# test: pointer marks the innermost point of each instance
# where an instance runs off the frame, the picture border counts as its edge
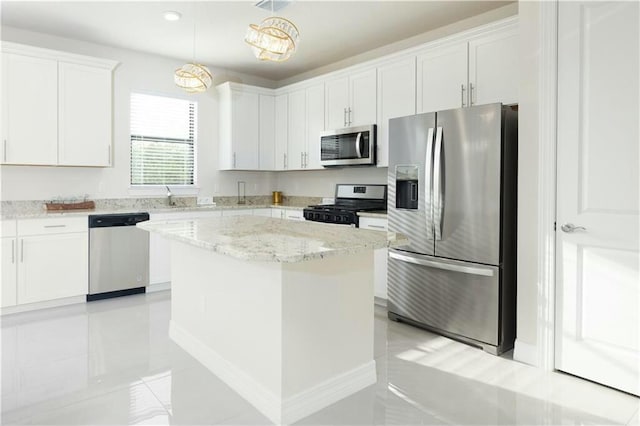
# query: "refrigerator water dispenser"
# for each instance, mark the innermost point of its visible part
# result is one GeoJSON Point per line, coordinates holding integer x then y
{"type": "Point", "coordinates": [407, 187]}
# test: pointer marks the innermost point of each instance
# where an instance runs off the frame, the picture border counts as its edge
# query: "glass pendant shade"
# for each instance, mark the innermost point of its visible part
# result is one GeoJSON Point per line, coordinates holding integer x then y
{"type": "Point", "coordinates": [275, 39]}
{"type": "Point", "coordinates": [193, 78]}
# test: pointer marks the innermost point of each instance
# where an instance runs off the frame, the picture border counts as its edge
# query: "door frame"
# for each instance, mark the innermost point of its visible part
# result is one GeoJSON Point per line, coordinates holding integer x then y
{"type": "Point", "coordinates": [542, 353]}
{"type": "Point", "coordinates": [547, 168]}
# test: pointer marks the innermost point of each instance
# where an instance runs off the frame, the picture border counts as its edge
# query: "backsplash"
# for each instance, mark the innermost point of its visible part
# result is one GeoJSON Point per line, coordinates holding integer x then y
{"type": "Point", "coordinates": [28, 207]}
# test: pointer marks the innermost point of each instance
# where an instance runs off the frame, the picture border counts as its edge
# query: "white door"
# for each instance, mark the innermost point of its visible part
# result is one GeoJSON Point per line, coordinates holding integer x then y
{"type": "Point", "coordinates": [442, 78]}
{"type": "Point", "coordinates": [84, 115]}
{"type": "Point", "coordinates": [598, 281]}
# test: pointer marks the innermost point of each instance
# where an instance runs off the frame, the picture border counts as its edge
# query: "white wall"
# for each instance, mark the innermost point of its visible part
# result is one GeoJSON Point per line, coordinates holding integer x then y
{"type": "Point", "coordinates": [136, 72]}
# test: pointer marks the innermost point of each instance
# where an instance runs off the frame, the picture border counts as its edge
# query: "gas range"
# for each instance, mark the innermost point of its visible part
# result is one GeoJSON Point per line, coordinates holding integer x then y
{"type": "Point", "coordinates": [349, 200]}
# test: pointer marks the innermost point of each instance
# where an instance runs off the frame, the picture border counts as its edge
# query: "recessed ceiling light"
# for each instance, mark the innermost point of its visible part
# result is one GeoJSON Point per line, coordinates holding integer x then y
{"type": "Point", "coordinates": [172, 15]}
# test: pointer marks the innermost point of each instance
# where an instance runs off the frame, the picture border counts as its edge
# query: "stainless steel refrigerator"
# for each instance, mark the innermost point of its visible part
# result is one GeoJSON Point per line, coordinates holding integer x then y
{"type": "Point", "coordinates": [453, 191]}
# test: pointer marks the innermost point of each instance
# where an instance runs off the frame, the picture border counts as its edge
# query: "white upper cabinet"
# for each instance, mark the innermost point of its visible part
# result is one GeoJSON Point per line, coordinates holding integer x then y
{"type": "Point", "coordinates": [351, 100]}
{"type": "Point", "coordinates": [315, 125]}
{"type": "Point", "coordinates": [493, 68]}
{"type": "Point", "coordinates": [30, 110]}
{"type": "Point", "coordinates": [442, 78]}
{"type": "Point", "coordinates": [396, 98]}
{"type": "Point", "coordinates": [281, 131]}
{"type": "Point", "coordinates": [482, 69]}
{"type": "Point", "coordinates": [267, 134]}
{"type": "Point", "coordinates": [56, 107]}
{"type": "Point", "coordinates": [239, 127]}
{"type": "Point", "coordinates": [84, 115]}
{"type": "Point", "coordinates": [297, 135]}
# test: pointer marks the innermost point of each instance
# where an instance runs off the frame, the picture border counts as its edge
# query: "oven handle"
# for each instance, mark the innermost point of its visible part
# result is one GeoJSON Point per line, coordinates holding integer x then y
{"type": "Point", "coordinates": [358, 151]}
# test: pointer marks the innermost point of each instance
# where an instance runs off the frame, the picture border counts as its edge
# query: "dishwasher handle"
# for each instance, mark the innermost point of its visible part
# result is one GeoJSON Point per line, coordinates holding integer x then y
{"type": "Point", "coordinates": [118, 219]}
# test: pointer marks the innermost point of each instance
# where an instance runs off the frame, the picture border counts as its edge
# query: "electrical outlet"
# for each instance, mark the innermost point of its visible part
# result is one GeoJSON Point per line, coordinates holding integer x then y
{"type": "Point", "coordinates": [204, 201]}
{"type": "Point", "coordinates": [328, 200]}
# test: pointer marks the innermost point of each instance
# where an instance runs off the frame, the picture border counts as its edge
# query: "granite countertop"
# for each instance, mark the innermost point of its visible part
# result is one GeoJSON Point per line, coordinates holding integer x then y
{"type": "Point", "coordinates": [273, 240]}
{"type": "Point", "coordinates": [42, 213]}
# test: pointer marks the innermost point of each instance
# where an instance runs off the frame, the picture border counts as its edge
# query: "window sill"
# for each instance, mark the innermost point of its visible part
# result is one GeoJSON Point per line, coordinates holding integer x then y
{"type": "Point", "coordinates": [161, 190]}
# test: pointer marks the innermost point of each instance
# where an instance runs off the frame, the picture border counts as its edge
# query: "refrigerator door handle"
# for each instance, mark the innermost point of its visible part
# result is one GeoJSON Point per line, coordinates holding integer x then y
{"type": "Point", "coordinates": [438, 196]}
{"type": "Point", "coordinates": [428, 199]}
{"type": "Point", "coordinates": [358, 150]}
{"type": "Point", "coordinates": [473, 270]}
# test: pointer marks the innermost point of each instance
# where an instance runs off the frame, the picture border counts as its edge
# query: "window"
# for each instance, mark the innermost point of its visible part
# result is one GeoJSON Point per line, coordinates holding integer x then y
{"type": "Point", "coordinates": [163, 142]}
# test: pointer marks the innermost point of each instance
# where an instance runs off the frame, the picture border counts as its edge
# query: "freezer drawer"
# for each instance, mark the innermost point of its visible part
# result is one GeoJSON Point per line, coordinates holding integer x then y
{"type": "Point", "coordinates": [456, 297]}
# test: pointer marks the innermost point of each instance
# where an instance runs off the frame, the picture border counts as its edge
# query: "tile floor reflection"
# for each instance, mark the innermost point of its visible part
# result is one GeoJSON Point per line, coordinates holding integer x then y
{"type": "Point", "coordinates": [112, 362]}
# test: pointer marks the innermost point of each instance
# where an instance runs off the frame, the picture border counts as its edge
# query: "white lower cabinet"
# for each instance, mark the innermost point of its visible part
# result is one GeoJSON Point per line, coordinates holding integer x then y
{"type": "Point", "coordinates": [379, 256]}
{"type": "Point", "coordinates": [9, 272]}
{"type": "Point", "coordinates": [52, 266]}
{"type": "Point", "coordinates": [47, 259]}
{"type": "Point", "coordinates": [290, 214]}
{"type": "Point", "coordinates": [238, 212]}
{"type": "Point", "coordinates": [262, 212]}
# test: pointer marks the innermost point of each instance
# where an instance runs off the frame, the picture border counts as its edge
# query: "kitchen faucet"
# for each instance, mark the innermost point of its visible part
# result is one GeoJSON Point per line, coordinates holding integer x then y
{"type": "Point", "coordinates": [170, 197]}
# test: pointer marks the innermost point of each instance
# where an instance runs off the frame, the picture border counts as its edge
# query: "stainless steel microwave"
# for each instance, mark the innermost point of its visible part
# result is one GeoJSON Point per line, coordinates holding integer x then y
{"type": "Point", "coordinates": [353, 146]}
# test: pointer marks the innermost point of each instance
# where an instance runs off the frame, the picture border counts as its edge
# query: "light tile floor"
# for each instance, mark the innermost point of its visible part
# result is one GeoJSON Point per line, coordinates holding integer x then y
{"type": "Point", "coordinates": [112, 362]}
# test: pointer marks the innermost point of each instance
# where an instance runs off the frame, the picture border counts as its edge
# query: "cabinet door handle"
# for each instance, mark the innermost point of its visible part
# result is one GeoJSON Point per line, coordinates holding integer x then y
{"type": "Point", "coordinates": [471, 94]}
{"type": "Point", "coordinates": [109, 154]}
{"type": "Point", "coordinates": [55, 226]}
{"type": "Point", "coordinates": [234, 160]}
{"type": "Point", "coordinates": [350, 117]}
{"type": "Point", "coordinates": [345, 117]}
{"type": "Point", "coordinates": [462, 96]}
{"type": "Point", "coordinates": [21, 251]}
{"type": "Point", "coordinates": [284, 163]}
{"type": "Point", "coordinates": [306, 160]}
{"type": "Point", "coordinates": [4, 148]}
{"type": "Point", "coordinates": [302, 160]}
{"type": "Point", "coordinates": [13, 251]}
{"type": "Point", "coordinates": [376, 226]}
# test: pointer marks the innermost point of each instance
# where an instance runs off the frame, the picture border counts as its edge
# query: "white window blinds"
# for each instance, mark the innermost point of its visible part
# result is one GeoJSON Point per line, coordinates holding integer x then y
{"type": "Point", "coordinates": [162, 140]}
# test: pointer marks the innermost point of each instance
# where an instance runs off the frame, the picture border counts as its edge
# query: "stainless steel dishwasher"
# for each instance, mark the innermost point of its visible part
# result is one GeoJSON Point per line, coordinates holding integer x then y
{"type": "Point", "coordinates": [118, 255]}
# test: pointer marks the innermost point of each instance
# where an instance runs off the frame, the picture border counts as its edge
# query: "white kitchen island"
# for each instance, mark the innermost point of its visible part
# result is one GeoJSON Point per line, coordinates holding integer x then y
{"type": "Point", "coordinates": [281, 311]}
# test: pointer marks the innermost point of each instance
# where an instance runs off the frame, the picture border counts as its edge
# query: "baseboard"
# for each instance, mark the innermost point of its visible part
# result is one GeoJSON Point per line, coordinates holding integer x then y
{"type": "Point", "coordinates": [272, 406]}
{"type": "Point", "coordinates": [261, 398]}
{"type": "Point", "coordinates": [380, 301]}
{"type": "Point", "coordinates": [525, 353]}
{"type": "Point", "coordinates": [326, 393]}
{"type": "Point", "coordinates": [42, 305]}
{"type": "Point", "coordinates": [159, 287]}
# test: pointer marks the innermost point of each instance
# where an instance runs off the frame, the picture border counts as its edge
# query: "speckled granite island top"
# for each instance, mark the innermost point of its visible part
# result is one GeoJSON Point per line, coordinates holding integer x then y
{"type": "Point", "coordinates": [273, 240]}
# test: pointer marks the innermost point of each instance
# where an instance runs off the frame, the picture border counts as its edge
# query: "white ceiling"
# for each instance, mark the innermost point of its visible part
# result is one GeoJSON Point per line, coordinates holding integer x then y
{"type": "Point", "coordinates": [330, 31]}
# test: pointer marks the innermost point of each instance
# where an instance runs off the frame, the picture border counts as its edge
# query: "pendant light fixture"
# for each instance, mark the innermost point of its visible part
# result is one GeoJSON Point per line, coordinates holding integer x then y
{"type": "Point", "coordinates": [193, 77]}
{"type": "Point", "coordinates": [275, 39]}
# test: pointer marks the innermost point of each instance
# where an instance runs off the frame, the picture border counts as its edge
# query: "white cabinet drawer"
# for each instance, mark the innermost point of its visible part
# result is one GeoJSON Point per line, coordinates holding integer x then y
{"type": "Point", "coordinates": [47, 226]}
{"type": "Point", "coordinates": [8, 228]}
{"type": "Point", "coordinates": [293, 214]}
{"type": "Point", "coordinates": [373, 223]}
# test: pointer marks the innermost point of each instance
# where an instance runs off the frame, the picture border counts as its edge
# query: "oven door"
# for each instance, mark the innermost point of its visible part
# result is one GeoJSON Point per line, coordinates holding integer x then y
{"type": "Point", "coordinates": [351, 146]}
